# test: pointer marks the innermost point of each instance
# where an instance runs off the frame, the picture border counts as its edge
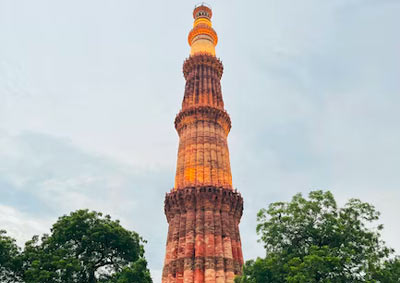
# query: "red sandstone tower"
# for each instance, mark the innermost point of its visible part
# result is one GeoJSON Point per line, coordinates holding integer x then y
{"type": "Point", "coordinates": [203, 211]}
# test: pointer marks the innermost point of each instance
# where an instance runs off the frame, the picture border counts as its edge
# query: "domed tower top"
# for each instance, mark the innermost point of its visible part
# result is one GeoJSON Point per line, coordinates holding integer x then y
{"type": "Point", "coordinates": [202, 38]}
{"type": "Point", "coordinates": [202, 11]}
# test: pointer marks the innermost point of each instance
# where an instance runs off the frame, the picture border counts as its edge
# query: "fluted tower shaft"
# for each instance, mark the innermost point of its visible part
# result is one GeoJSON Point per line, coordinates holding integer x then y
{"type": "Point", "coordinates": [203, 211]}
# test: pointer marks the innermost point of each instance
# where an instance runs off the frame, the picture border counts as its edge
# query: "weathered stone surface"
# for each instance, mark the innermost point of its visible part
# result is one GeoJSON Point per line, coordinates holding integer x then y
{"type": "Point", "coordinates": [205, 244]}
{"type": "Point", "coordinates": [203, 154]}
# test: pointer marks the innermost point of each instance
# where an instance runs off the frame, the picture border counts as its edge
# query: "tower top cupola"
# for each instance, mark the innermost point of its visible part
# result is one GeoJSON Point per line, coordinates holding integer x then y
{"type": "Point", "coordinates": [202, 11]}
{"type": "Point", "coordinates": [202, 38]}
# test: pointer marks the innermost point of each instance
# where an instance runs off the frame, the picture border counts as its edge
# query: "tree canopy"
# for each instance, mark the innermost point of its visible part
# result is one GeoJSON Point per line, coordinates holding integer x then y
{"type": "Point", "coordinates": [313, 240]}
{"type": "Point", "coordinates": [84, 246]}
{"type": "Point", "coordinates": [9, 259]}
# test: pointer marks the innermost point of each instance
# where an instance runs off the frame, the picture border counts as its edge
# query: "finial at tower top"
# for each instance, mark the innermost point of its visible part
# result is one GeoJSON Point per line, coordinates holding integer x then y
{"type": "Point", "coordinates": [202, 10]}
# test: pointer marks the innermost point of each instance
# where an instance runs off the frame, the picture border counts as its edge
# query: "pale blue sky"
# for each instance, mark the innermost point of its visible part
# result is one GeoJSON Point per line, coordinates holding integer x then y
{"type": "Point", "coordinates": [89, 91]}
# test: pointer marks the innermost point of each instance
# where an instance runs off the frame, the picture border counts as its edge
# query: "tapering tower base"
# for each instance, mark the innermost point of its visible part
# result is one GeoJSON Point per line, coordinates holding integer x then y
{"type": "Point", "coordinates": [203, 242]}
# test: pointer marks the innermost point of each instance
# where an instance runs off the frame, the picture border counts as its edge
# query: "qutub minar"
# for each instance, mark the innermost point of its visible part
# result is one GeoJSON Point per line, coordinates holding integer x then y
{"type": "Point", "coordinates": [203, 210]}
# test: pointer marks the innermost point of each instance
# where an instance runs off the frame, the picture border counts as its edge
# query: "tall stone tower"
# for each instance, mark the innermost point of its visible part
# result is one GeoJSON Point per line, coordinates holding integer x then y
{"type": "Point", "coordinates": [203, 210]}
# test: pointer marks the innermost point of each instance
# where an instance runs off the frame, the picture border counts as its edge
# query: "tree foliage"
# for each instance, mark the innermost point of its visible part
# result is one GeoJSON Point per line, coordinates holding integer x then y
{"type": "Point", "coordinates": [10, 261]}
{"type": "Point", "coordinates": [312, 240]}
{"type": "Point", "coordinates": [82, 247]}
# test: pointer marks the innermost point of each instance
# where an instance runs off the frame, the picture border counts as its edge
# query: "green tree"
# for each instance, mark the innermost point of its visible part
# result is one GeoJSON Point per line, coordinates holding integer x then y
{"type": "Point", "coordinates": [10, 261]}
{"type": "Point", "coordinates": [389, 272]}
{"type": "Point", "coordinates": [136, 272]}
{"type": "Point", "coordinates": [85, 247]}
{"type": "Point", "coordinates": [312, 240]}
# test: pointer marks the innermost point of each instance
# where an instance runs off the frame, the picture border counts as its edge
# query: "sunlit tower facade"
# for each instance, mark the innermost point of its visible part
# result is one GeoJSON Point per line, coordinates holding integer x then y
{"type": "Point", "coordinates": [203, 210]}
